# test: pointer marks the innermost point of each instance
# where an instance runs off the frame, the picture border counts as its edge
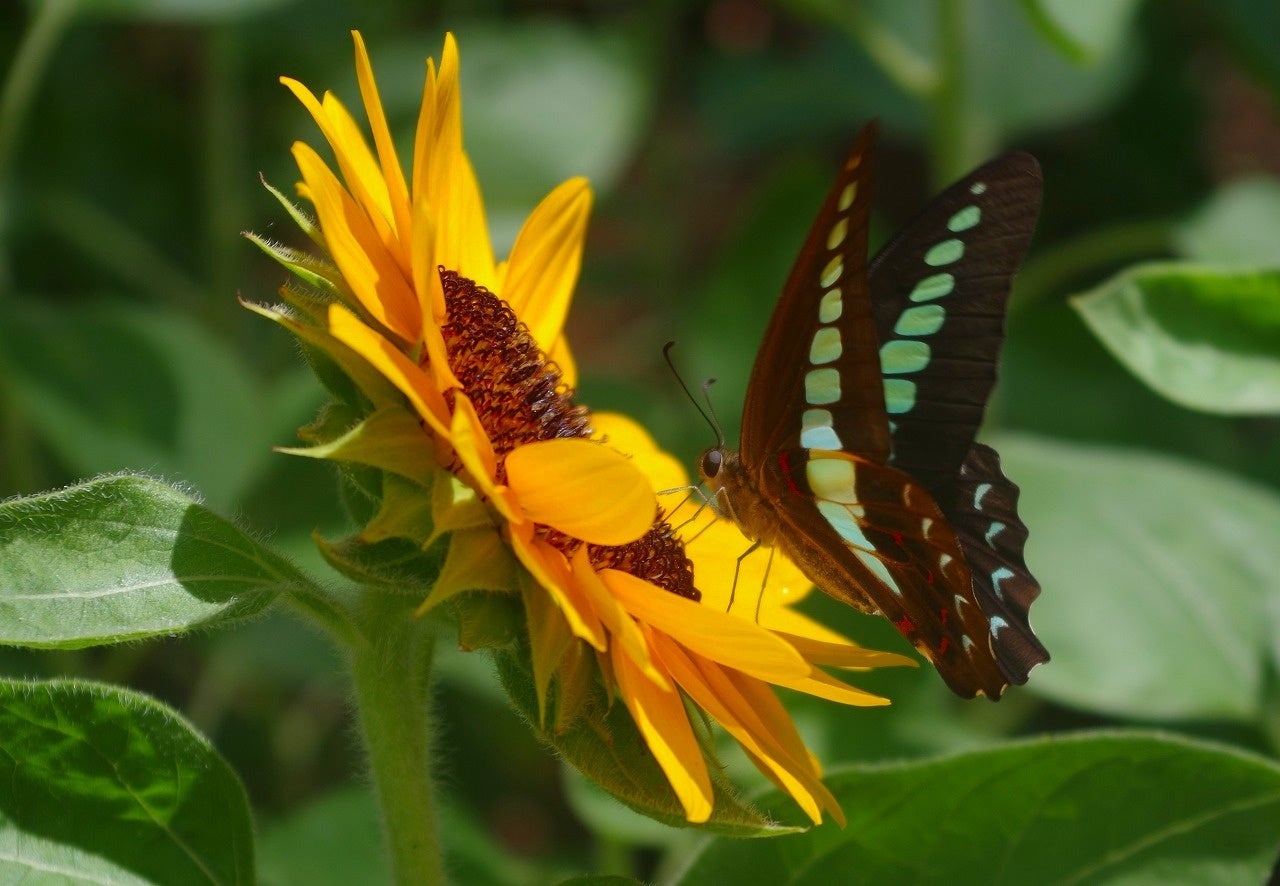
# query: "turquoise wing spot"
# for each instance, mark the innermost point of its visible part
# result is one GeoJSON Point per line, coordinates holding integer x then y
{"type": "Point", "coordinates": [979, 493]}
{"type": "Point", "coordinates": [832, 479]}
{"type": "Point", "coordinates": [964, 219]}
{"type": "Point", "coordinates": [968, 644]}
{"type": "Point", "coordinates": [839, 518]}
{"type": "Point", "coordinates": [903, 356]}
{"type": "Point", "coordinates": [822, 386]}
{"type": "Point", "coordinates": [816, 431]}
{"type": "Point", "coordinates": [945, 253]}
{"type": "Point", "coordinates": [831, 306]}
{"type": "Point", "coordinates": [826, 346]}
{"type": "Point", "coordinates": [978, 188]}
{"type": "Point", "coordinates": [997, 624]}
{"type": "Point", "coordinates": [993, 530]}
{"type": "Point", "coordinates": [920, 320]}
{"type": "Point", "coordinates": [899, 395]}
{"type": "Point", "coordinates": [933, 287]}
{"type": "Point", "coordinates": [998, 576]}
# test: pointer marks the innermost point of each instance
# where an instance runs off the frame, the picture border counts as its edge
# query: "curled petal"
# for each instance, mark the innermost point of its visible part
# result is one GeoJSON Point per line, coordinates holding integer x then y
{"type": "Point", "coordinates": [583, 489]}
{"type": "Point", "coordinates": [712, 633]}
{"type": "Point", "coordinates": [549, 568]}
{"type": "Point", "coordinates": [625, 631]}
{"type": "Point", "coordinates": [394, 365]}
{"type": "Point", "coordinates": [662, 721]}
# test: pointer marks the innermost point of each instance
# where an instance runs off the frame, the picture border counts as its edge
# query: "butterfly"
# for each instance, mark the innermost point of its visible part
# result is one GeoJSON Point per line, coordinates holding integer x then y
{"type": "Point", "coordinates": [858, 456]}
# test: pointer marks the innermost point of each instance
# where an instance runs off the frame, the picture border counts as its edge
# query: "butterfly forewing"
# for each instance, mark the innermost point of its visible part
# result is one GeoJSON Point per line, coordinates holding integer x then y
{"type": "Point", "coordinates": [817, 369]}
{"type": "Point", "coordinates": [939, 291]}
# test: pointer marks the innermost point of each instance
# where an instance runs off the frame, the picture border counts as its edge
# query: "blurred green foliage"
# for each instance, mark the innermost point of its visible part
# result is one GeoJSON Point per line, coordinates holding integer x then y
{"type": "Point", "coordinates": [131, 138]}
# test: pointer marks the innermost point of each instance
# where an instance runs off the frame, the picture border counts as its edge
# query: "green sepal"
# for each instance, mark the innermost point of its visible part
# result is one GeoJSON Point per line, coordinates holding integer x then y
{"type": "Point", "coordinates": [390, 439]}
{"type": "Point", "coordinates": [334, 420]}
{"type": "Point", "coordinates": [549, 639]}
{"type": "Point", "coordinates": [404, 512]}
{"type": "Point", "coordinates": [314, 272]}
{"type": "Point", "coordinates": [361, 490]}
{"type": "Point", "coordinates": [456, 507]}
{"type": "Point", "coordinates": [370, 381]}
{"type": "Point", "coordinates": [603, 743]}
{"type": "Point", "coordinates": [489, 621]}
{"type": "Point", "coordinates": [393, 564]}
{"type": "Point", "coordinates": [305, 222]}
{"type": "Point", "coordinates": [477, 560]}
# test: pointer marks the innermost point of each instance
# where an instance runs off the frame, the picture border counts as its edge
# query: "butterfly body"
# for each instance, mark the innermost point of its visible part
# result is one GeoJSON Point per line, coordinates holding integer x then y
{"type": "Point", "coordinates": [858, 458]}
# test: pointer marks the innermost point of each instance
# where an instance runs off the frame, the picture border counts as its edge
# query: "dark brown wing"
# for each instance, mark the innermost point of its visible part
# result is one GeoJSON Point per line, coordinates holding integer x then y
{"type": "Point", "coordinates": [819, 356]}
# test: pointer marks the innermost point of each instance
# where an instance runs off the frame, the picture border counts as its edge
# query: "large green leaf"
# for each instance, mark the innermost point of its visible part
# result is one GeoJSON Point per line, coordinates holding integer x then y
{"type": "Point", "coordinates": [1155, 574]}
{"type": "Point", "coordinates": [103, 785]}
{"type": "Point", "coordinates": [126, 557]}
{"type": "Point", "coordinates": [1205, 338]}
{"type": "Point", "coordinates": [1239, 225]}
{"type": "Point", "coordinates": [1109, 808]}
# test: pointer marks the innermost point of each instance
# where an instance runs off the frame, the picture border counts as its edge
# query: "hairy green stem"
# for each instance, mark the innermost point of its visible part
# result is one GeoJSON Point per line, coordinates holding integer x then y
{"type": "Point", "coordinates": [391, 679]}
{"type": "Point", "coordinates": [35, 52]}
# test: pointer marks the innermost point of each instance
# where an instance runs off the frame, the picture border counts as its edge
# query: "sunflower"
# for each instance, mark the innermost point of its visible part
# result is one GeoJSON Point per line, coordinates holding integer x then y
{"type": "Point", "coordinates": [406, 297]}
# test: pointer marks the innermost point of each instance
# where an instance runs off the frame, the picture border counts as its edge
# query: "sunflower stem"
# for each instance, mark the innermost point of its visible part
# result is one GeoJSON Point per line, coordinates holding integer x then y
{"type": "Point", "coordinates": [391, 677]}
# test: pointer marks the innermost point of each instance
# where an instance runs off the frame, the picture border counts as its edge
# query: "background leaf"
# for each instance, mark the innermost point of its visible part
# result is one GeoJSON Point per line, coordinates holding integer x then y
{"type": "Point", "coordinates": [1156, 575]}
{"type": "Point", "coordinates": [1088, 808]}
{"type": "Point", "coordinates": [122, 558]}
{"type": "Point", "coordinates": [1083, 29]}
{"type": "Point", "coordinates": [1236, 226]}
{"type": "Point", "coordinates": [106, 785]}
{"type": "Point", "coordinates": [1207, 339]}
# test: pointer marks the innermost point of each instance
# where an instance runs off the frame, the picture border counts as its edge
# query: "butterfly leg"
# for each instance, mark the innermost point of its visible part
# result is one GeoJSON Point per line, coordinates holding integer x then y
{"type": "Point", "coordinates": [733, 589]}
{"type": "Point", "coordinates": [764, 583]}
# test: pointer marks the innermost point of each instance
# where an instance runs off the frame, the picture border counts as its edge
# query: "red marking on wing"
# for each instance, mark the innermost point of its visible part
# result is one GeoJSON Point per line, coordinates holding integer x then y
{"type": "Point", "coordinates": [905, 626]}
{"type": "Point", "coordinates": [897, 538]}
{"type": "Point", "coordinates": [786, 472]}
{"type": "Point", "coordinates": [942, 615]}
{"type": "Point", "coordinates": [943, 645]}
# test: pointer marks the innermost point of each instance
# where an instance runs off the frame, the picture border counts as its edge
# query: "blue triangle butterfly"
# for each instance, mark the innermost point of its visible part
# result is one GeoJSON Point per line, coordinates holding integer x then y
{"type": "Point", "coordinates": [858, 455]}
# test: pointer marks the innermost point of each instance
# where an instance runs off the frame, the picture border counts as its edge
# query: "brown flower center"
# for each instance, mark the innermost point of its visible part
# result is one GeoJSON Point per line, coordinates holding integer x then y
{"type": "Point", "coordinates": [520, 397]}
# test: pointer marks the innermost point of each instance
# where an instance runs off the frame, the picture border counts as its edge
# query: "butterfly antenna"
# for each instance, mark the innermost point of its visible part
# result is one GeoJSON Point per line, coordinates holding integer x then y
{"type": "Point", "coordinates": [715, 419]}
{"type": "Point", "coordinates": [715, 425]}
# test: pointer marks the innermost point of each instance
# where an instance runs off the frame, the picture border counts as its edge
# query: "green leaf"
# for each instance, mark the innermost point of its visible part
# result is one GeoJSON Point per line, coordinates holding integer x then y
{"type": "Point", "coordinates": [1115, 808]}
{"type": "Point", "coordinates": [1155, 577]}
{"type": "Point", "coordinates": [604, 744]}
{"type": "Point", "coordinates": [105, 785]}
{"type": "Point", "coordinates": [118, 387]}
{"type": "Point", "coordinates": [1239, 225]}
{"type": "Point", "coordinates": [1083, 30]}
{"type": "Point", "coordinates": [123, 558]}
{"type": "Point", "coordinates": [1205, 338]}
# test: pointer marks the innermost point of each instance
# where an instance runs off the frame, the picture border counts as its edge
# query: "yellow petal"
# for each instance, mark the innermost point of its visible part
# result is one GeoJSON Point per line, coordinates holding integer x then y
{"type": "Point", "coordinates": [630, 438]}
{"type": "Point", "coordinates": [356, 249]}
{"type": "Point", "coordinates": [392, 174]}
{"type": "Point", "coordinates": [715, 554]}
{"type": "Point", "coordinates": [544, 263]}
{"type": "Point", "coordinates": [727, 707]}
{"type": "Point", "coordinates": [623, 629]}
{"type": "Point", "coordinates": [822, 685]}
{"type": "Point", "coordinates": [395, 366]}
{"type": "Point", "coordinates": [844, 653]}
{"type": "Point", "coordinates": [563, 358]}
{"type": "Point", "coordinates": [709, 632]}
{"type": "Point", "coordinates": [583, 489]}
{"type": "Point", "coordinates": [661, 719]}
{"type": "Point", "coordinates": [549, 569]}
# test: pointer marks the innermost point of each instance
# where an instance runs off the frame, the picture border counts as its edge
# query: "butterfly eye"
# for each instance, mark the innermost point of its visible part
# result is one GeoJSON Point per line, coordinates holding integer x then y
{"type": "Point", "coordinates": [710, 464]}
